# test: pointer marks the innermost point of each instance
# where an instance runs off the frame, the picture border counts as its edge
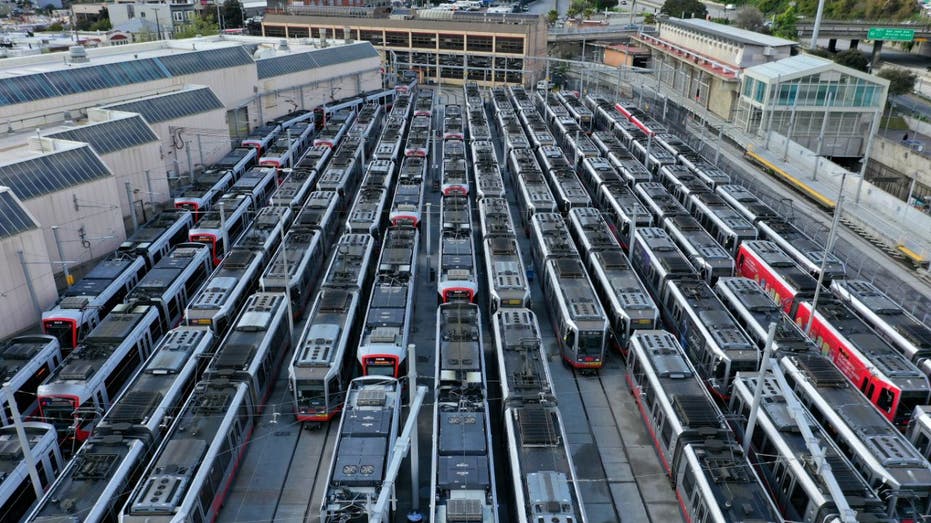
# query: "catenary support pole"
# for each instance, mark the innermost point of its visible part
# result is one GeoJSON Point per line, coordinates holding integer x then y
{"type": "Point", "coordinates": [23, 442]}
{"type": "Point", "coordinates": [401, 448]}
{"type": "Point", "coordinates": [148, 183]}
{"type": "Point", "coordinates": [32, 290]}
{"type": "Point", "coordinates": [828, 245]}
{"type": "Point", "coordinates": [190, 163]}
{"type": "Point", "coordinates": [824, 125]}
{"type": "Point", "coordinates": [874, 127]}
{"type": "Point", "coordinates": [132, 206]}
{"type": "Point", "coordinates": [61, 255]}
{"type": "Point", "coordinates": [415, 452]}
{"type": "Point", "coordinates": [758, 393]}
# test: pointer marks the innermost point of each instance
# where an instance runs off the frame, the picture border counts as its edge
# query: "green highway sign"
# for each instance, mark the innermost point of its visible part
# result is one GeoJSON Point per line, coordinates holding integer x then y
{"type": "Point", "coordinates": [890, 34]}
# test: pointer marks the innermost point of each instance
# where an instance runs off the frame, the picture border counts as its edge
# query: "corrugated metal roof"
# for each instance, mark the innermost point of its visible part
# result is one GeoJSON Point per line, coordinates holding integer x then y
{"type": "Point", "coordinates": [729, 32]}
{"type": "Point", "coordinates": [172, 105]}
{"type": "Point", "coordinates": [791, 67]}
{"type": "Point", "coordinates": [202, 61]}
{"type": "Point", "coordinates": [84, 78]}
{"type": "Point", "coordinates": [305, 61]}
{"type": "Point", "coordinates": [113, 135]}
{"type": "Point", "coordinates": [14, 218]}
{"type": "Point", "coordinates": [52, 172]}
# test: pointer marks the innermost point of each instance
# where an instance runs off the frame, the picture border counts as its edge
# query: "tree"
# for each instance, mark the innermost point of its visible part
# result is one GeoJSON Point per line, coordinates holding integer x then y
{"type": "Point", "coordinates": [576, 7]}
{"type": "Point", "coordinates": [784, 26]}
{"type": "Point", "coordinates": [749, 17]}
{"type": "Point", "coordinates": [232, 13]}
{"type": "Point", "coordinates": [101, 25]}
{"type": "Point", "coordinates": [853, 59]}
{"type": "Point", "coordinates": [684, 8]}
{"type": "Point", "coordinates": [552, 16]}
{"type": "Point", "coordinates": [199, 25]}
{"type": "Point", "coordinates": [901, 81]}
{"type": "Point", "coordinates": [649, 18]}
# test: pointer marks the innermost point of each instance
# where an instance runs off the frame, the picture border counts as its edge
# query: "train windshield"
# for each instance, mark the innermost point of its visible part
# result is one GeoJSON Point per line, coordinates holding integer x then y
{"type": "Point", "coordinates": [58, 411]}
{"type": "Point", "coordinates": [907, 405]}
{"type": "Point", "coordinates": [64, 331]}
{"type": "Point", "coordinates": [591, 343]}
{"type": "Point", "coordinates": [381, 368]}
{"type": "Point", "coordinates": [311, 395]}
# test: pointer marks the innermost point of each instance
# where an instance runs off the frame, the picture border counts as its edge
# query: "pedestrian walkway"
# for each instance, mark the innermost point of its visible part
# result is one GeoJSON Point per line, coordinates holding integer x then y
{"type": "Point", "coordinates": [865, 208]}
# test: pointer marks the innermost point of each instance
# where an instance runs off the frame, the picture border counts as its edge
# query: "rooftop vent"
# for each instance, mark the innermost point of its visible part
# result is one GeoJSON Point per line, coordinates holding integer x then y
{"type": "Point", "coordinates": [77, 54]}
{"type": "Point", "coordinates": [283, 45]}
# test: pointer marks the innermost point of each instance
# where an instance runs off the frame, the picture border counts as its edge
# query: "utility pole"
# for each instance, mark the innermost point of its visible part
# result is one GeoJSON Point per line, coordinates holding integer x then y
{"type": "Point", "coordinates": [817, 27]}
{"type": "Point", "coordinates": [824, 124]}
{"type": "Point", "coordinates": [23, 441]}
{"type": "Point", "coordinates": [200, 150]}
{"type": "Point", "coordinates": [415, 452]}
{"type": "Point", "coordinates": [190, 164]}
{"type": "Point", "coordinates": [774, 101]}
{"type": "Point", "coordinates": [401, 447]}
{"type": "Point", "coordinates": [758, 393]}
{"type": "Point", "coordinates": [717, 150]}
{"type": "Point", "coordinates": [32, 290]}
{"type": "Point", "coordinates": [148, 182]}
{"type": "Point", "coordinates": [828, 244]}
{"type": "Point", "coordinates": [69, 281]}
{"type": "Point", "coordinates": [132, 206]}
{"type": "Point", "coordinates": [287, 276]}
{"type": "Point", "coordinates": [785, 152]}
{"type": "Point", "coordinates": [874, 128]}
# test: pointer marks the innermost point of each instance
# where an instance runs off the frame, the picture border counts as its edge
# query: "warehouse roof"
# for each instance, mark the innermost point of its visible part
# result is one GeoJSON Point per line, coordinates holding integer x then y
{"type": "Point", "coordinates": [53, 171]}
{"type": "Point", "coordinates": [14, 218]}
{"type": "Point", "coordinates": [113, 135]}
{"type": "Point", "coordinates": [303, 61]}
{"type": "Point", "coordinates": [171, 106]}
{"type": "Point", "coordinates": [729, 32]}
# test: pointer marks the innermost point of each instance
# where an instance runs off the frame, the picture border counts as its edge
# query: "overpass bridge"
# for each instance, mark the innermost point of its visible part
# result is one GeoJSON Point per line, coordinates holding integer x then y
{"type": "Point", "coordinates": [605, 32]}
{"type": "Point", "coordinates": [856, 30]}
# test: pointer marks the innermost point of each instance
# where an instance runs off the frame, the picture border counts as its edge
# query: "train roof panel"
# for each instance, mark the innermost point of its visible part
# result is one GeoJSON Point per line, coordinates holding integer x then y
{"type": "Point", "coordinates": [360, 462]}
{"type": "Point", "coordinates": [318, 346]}
{"type": "Point", "coordinates": [116, 327]}
{"type": "Point", "coordinates": [461, 433]}
{"type": "Point", "coordinates": [367, 422]}
{"type": "Point", "coordinates": [463, 473]}
{"type": "Point", "coordinates": [389, 297]}
{"type": "Point", "coordinates": [166, 486]}
{"type": "Point", "coordinates": [18, 351]}
{"type": "Point", "coordinates": [460, 355]}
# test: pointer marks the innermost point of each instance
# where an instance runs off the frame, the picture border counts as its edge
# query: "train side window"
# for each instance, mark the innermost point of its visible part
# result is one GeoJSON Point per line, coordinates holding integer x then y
{"type": "Point", "coordinates": [798, 499]}
{"type": "Point", "coordinates": [667, 433]}
{"type": "Point", "coordinates": [885, 400]}
{"type": "Point", "coordinates": [870, 390]}
{"type": "Point", "coordinates": [759, 442]}
{"type": "Point", "coordinates": [688, 484]}
{"type": "Point", "coordinates": [863, 385]}
{"type": "Point", "coordinates": [921, 443]}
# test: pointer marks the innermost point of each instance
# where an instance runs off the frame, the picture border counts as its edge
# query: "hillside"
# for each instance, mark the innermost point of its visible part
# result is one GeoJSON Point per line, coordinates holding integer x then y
{"type": "Point", "coordinates": [844, 9]}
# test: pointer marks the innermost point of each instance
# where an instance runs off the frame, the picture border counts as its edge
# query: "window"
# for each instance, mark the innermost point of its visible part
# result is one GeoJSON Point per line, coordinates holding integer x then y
{"type": "Point", "coordinates": [452, 41]}
{"type": "Point", "coordinates": [798, 499]}
{"type": "Point", "coordinates": [922, 444]}
{"type": "Point", "coordinates": [885, 400]}
{"type": "Point", "coordinates": [509, 45]}
{"type": "Point", "coordinates": [423, 40]}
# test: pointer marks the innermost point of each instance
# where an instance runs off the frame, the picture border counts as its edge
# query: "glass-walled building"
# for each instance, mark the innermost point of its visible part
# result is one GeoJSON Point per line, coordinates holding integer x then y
{"type": "Point", "coordinates": [801, 95]}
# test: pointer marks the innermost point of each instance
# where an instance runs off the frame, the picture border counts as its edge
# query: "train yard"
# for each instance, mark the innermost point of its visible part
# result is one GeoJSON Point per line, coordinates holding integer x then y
{"type": "Point", "coordinates": [587, 299]}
